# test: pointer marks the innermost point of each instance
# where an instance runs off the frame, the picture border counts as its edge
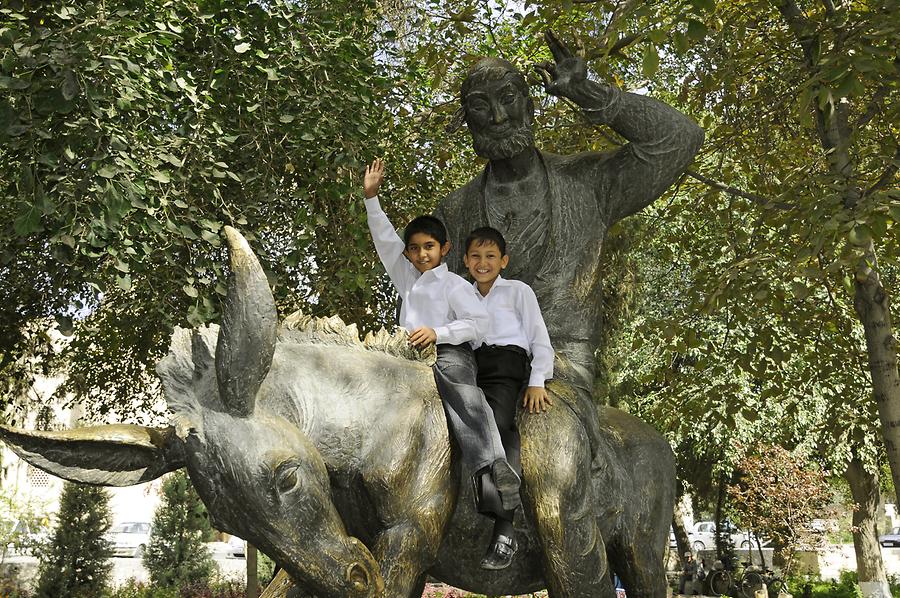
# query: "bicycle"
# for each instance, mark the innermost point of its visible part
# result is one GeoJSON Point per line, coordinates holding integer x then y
{"type": "Point", "coordinates": [719, 582]}
{"type": "Point", "coordinates": [755, 577]}
{"type": "Point", "coordinates": [744, 585]}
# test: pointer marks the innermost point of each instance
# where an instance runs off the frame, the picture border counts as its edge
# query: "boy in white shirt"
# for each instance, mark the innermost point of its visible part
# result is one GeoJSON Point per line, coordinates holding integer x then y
{"type": "Point", "coordinates": [439, 307]}
{"type": "Point", "coordinates": [517, 332]}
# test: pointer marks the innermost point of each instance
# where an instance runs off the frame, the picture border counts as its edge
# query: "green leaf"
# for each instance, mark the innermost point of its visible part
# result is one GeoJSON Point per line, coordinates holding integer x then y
{"type": "Point", "coordinates": [860, 235]}
{"type": "Point", "coordinates": [650, 62]}
{"type": "Point", "coordinates": [696, 30]}
{"type": "Point", "coordinates": [70, 87]}
{"type": "Point", "coordinates": [160, 176]}
{"type": "Point", "coordinates": [681, 42]}
{"type": "Point", "coordinates": [124, 282]}
{"type": "Point", "coordinates": [107, 171]}
{"type": "Point", "coordinates": [241, 48]}
{"type": "Point", "coordinates": [13, 83]}
{"type": "Point", "coordinates": [799, 290]}
{"type": "Point", "coordinates": [190, 291]}
{"type": "Point", "coordinates": [28, 221]}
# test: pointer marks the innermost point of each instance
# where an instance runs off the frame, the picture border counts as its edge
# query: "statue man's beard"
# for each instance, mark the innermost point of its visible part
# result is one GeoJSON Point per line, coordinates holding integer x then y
{"type": "Point", "coordinates": [492, 147]}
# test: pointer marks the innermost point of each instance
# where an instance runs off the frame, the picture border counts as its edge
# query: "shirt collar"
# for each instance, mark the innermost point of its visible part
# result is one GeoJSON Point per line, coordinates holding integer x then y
{"type": "Point", "coordinates": [500, 282]}
{"type": "Point", "coordinates": [439, 271]}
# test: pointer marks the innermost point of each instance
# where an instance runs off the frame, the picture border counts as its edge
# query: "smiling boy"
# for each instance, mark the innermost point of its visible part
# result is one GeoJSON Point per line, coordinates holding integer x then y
{"type": "Point", "coordinates": [516, 354]}
{"type": "Point", "coordinates": [439, 307]}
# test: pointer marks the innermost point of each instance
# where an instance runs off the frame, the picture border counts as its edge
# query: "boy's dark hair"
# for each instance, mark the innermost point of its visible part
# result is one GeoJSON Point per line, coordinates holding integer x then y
{"type": "Point", "coordinates": [429, 225]}
{"type": "Point", "coordinates": [486, 234]}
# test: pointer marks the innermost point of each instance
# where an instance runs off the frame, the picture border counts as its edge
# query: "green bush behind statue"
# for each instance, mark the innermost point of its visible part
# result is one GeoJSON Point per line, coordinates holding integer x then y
{"type": "Point", "coordinates": [76, 562]}
{"type": "Point", "coordinates": [176, 554]}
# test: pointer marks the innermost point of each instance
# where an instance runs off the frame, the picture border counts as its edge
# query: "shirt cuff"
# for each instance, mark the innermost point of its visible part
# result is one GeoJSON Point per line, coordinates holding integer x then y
{"type": "Point", "coordinates": [372, 204]}
{"type": "Point", "coordinates": [441, 332]}
{"type": "Point", "coordinates": [536, 379]}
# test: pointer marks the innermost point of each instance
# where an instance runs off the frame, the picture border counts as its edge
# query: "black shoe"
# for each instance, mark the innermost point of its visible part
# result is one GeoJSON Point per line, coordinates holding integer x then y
{"type": "Point", "coordinates": [500, 553]}
{"type": "Point", "coordinates": [507, 482]}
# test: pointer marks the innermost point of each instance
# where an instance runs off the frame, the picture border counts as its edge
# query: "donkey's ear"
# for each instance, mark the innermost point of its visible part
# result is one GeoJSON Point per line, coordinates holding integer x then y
{"type": "Point", "coordinates": [115, 455]}
{"type": "Point", "coordinates": [247, 335]}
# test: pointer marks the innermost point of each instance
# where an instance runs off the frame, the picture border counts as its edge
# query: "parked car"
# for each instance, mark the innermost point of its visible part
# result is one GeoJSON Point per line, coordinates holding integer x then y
{"type": "Point", "coordinates": [890, 539]}
{"type": "Point", "coordinates": [237, 547]}
{"type": "Point", "coordinates": [129, 538]}
{"type": "Point", "coordinates": [703, 536]}
{"type": "Point", "coordinates": [24, 534]}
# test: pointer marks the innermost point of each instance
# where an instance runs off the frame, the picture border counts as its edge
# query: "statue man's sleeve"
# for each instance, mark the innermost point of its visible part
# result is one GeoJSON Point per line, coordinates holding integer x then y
{"type": "Point", "coordinates": [662, 142]}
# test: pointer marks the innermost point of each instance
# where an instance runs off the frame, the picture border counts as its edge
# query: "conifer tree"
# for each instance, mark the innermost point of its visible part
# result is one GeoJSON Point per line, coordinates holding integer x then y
{"type": "Point", "coordinates": [176, 554]}
{"type": "Point", "coordinates": [76, 562]}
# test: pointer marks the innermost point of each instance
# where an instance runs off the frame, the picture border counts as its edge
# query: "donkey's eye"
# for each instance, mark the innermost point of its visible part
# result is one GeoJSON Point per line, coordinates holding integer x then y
{"type": "Point", "coordinates": [287, 479]}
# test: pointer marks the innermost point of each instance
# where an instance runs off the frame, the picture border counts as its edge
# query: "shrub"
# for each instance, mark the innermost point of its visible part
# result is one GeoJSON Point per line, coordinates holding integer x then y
{"type": "Point", "coordinates": [76, 562]}
{"type": "Point", "coordinates": [176, 555]}
{"type": "Point", "coordinates": [195, 589]}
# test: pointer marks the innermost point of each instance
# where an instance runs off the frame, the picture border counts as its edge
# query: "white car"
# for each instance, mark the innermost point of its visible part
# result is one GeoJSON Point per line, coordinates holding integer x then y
{"type": "Point", "coordinates": [237, 547]}
{"type": "Point", "coordinates": [890, 539]}
{"type": "Point", "coordinates": [129, 538]}
{"type": "Point", "coordinates": [703, 536]}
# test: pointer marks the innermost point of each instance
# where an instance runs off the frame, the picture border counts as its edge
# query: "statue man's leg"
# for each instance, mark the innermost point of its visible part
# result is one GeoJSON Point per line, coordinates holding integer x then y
{"type": "Point", "coordinates": [558, 494]}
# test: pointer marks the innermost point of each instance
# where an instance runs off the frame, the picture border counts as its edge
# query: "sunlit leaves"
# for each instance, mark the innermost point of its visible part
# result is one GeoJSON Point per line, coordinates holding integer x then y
{"type": "Point", "coordinates": [129, 142]}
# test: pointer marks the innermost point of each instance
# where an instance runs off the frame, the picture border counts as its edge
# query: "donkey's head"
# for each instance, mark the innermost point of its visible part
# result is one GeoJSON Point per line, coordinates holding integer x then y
{"type": "Point", "coordinates": [259, 475]}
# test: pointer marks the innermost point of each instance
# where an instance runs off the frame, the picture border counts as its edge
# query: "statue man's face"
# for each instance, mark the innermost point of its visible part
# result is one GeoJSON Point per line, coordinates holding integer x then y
{"type": "Point", "coordinates": [499, 117]}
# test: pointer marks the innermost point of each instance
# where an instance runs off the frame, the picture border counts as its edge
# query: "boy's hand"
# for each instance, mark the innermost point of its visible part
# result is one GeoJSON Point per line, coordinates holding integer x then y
{"type": "Point", "coordinates": [373, 178]}
{"type": "Point", "coordinates": [536, 399]}
{"type": "Point", "coordinates": [422, 337]}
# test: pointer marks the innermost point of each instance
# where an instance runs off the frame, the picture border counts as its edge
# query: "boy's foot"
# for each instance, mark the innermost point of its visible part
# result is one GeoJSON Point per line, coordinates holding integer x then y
{"type": "Point", "coordinates": [500, 553]}
{"type": "Point", "coordinates": [507, 482]}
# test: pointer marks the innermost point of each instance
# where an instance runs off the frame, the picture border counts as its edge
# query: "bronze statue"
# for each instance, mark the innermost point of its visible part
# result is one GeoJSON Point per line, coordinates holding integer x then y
{"type": "Point", "coordinates": [554, 211]}
{"type": "Point", "coordinates": [333, 456]}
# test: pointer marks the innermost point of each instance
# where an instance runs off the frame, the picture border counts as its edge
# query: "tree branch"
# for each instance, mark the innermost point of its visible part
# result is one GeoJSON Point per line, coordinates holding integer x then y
{"type": "Point", "coordinates": [801, 28]}
{"type": "Point", "coordinates": [765, 202]}
{"type": "Point", "coordinates": [829, 7]}
{"type": "Point", "coordinates": [887, 176]}
{"type": "Point", "coordinates": [621, 43]}
{"type": "Point", "coordinates": [875, 103]}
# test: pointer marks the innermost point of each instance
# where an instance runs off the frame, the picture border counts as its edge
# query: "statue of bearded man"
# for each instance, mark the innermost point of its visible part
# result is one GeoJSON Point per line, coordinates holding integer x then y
{"type": "Point", "coordinates": [553, 210]}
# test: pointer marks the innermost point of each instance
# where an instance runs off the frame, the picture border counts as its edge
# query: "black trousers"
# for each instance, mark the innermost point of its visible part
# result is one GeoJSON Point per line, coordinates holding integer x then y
{"type": "Point", "coordinates": [502, 376]}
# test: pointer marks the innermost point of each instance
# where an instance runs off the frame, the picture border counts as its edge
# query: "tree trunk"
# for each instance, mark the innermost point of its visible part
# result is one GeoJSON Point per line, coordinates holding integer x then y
{"type": "Point", "coordinates": [682, 541]}
{"type": "Point", "coordinates": [870, 567]}
{"type": "Point", "coordinates": [720, 504]}
{"type": "Point", "coordinates": [874, 309]}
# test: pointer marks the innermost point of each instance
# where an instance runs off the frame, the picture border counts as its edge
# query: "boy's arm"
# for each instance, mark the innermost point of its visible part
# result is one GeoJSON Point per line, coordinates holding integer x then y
{"type": "Point", "coordinates": [388, 243]}
{"type": "Point", "coordinates": [471, 318]}
{"type": "Point", "coordinates": [538, 338]}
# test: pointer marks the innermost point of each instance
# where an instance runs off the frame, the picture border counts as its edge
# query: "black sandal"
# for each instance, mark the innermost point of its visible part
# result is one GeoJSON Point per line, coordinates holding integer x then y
{"type": "Point", "coordinates": [500, 553]}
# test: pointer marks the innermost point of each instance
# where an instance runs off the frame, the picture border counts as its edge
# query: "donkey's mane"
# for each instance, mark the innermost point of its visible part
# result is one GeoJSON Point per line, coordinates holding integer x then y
{"type": "Point", "coordinates": [299, 327]}
{"type": "Point", "coordinates": [188, 371]}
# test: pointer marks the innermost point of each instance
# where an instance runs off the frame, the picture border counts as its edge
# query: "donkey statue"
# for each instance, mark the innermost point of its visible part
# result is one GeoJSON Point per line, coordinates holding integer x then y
{"type": "Point", "coordinates": [332, 455]}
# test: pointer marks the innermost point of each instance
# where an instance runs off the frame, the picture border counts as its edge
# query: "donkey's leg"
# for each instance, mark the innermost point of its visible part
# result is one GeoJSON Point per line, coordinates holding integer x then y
{"type": "Point", "coordinates": [640, 565]}
{"type": "Point", "coordinates": [414, 496]}
{"type": "Point", "coordinates": [559, 498]}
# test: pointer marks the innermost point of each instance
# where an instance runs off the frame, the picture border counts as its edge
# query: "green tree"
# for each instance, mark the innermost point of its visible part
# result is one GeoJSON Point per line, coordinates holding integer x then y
{"type": "Point", "coordinates": [76, 561]}
{"type": "Point", "coordinates": [130, 134]}
{"type": "Point", "coordinates": [176, 554]}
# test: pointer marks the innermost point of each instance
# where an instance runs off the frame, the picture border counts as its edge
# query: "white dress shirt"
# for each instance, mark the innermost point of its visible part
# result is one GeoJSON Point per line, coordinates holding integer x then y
{"type": "Point", "coordinates": [516, 320]}
{"type": "Point", "coordinates": [437, 298]}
